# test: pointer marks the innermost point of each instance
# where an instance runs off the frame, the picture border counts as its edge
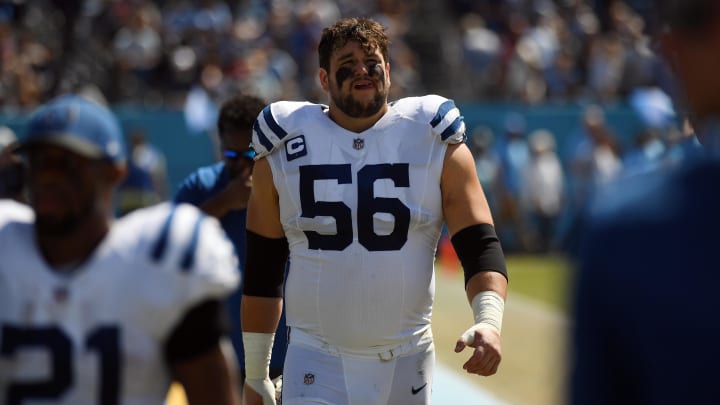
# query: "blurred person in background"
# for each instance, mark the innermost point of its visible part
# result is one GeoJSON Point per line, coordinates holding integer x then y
{"type": "Point", "coordinates": [12, 170]}
{"type": "Point", "coordinates": [542, 196]}
{"type": "Point", "coordinates": [151, 159]}
{"type": "Point", "coordinates": [222, 190]}
{"type": "Point", "coordinates": [646, 299]}
{"type": "Point", "coordinates": [146, 181]}
{"type": "Point", "coordinates": [514, 156]}
{"type": "Point", "coordinates": [96, 310]}
{"type": "Point", "coordinates": [594, 161]}
{"type": "Point", "coordinates": [356, 193]}
{"type": "Point", "coordinates": [487, 163]}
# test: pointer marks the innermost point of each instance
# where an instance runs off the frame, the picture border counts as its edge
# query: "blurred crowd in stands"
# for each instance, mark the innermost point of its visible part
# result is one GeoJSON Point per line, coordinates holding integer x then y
{"type": "Point", "coordinates": [194, 54]}
{"type": "Point", "coordinates": [154, 52]}
{"type": "Point", "coordinates": [537, 195]}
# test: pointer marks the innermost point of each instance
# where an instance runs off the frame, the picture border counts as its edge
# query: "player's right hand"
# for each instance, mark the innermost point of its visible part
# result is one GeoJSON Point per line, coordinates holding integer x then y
{"type": "Point", "coordinates": [486, 355]}
{"type": "Point", "coordinates": [257, 392]}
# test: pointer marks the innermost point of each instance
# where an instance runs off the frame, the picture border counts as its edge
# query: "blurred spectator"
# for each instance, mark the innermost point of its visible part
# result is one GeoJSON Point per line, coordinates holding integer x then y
{"type": "Point", "coordinates": [594, 161]}
{"type": "Point", "coordinates": [135, 191]}
{"type": "Point", "coordinates": [605, 67]}
{"type": "Point", "coordinates": [482, 48]}
{"type": "Point", "coordinates": [514, 156]}
{"type": "Point", "coordinates": [150, 159]}
{"type": "Point", "coordinates": [153, 52]}
{"type": "Point", "coordinates": [595, 156]}
{"type": "Point", "coordinates": [487, 163]}
{"type": "Point", "coordinates": [138, 45]}
{"type": "Point", "coordinates": [646, 155]}
{"type": "Point", "coordinates": [12, 173]}
{"type": "Point", "coordinates": [542, 196]}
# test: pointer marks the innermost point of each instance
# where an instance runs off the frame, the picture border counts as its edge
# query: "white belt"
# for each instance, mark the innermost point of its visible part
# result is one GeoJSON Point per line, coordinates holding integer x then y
{"type": "Point", "coordinates": [414, 344]}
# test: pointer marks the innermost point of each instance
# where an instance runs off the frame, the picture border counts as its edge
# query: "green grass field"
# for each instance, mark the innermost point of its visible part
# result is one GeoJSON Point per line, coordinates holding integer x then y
{"type": "Point", "coordinates": [543, 278]}
{"type": "Point", "coordinates": [534, 328]}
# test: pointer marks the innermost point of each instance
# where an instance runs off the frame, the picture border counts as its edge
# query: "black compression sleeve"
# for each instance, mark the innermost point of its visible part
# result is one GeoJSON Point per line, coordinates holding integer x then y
{"type": "Point", "coordinates": [264, 271]}
{"type": "Point", "coordinates": [199, 331]}
{"type": "Point", "coordinates": [479, 249]}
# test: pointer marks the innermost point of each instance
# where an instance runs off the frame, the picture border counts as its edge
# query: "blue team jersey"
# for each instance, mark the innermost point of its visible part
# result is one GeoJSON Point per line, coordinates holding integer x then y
{"type": "Point", "coordinates": [198, 187]}
{"type": "Point", "coordinates": [646, 298]}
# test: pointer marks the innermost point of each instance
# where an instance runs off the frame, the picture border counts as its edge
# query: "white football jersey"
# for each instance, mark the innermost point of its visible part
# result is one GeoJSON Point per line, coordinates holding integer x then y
{"type": "Point", "coordinates": [362, 213]}
{"type": "Point", "coordinates": [96, 336]}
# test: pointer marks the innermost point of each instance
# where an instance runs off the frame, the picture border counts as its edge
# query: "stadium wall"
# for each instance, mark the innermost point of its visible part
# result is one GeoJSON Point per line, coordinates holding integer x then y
{"type": "Point", "coordinates": [185, 150]}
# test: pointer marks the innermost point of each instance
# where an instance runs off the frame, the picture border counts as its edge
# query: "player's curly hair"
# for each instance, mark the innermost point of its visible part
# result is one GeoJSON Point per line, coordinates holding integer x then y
{"type": "Point", "coordinates": [369, 33]}
{"type": "Point", "coordinates": [239, 113]}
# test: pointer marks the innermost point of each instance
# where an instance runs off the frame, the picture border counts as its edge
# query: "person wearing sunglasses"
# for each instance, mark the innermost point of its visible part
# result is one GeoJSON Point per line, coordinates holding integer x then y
{"type": "Point", "coordinates": [222, 190]}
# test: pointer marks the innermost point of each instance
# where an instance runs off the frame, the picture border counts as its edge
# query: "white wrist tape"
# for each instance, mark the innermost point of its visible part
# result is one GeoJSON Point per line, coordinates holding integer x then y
{"type": "Point", "coordinates": [258, 350]}
{"type": "Point", "coordinates": [488, 307]}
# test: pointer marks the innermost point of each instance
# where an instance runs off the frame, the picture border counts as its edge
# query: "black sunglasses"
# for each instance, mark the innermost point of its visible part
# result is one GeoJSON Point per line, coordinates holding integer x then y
{"type": "Point", "coordinates": [235, 155]}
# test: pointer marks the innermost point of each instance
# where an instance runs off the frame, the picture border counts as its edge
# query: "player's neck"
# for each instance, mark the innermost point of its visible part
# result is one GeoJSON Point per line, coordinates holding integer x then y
{"type": "Point", "coordinates": [355, 124]}
{"type": "Point", "coordinates": [66, 252]}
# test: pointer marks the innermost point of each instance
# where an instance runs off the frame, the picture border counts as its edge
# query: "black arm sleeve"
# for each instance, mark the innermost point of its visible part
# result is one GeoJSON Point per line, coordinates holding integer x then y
{"type": "Point", "coordinates": [199, 331]}
{"type": "Point", "coordinates": [264, 271]}
{"type": "Point", "coordinates": [479, 249]}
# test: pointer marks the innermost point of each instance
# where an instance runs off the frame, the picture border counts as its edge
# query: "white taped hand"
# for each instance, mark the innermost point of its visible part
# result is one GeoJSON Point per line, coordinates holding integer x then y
{"type": "Point", "coordinates": [258, 350]}
{"type": "Point", "coordinates": [485, 339]}
{"type": "Point", "coordinates": [265, 388]}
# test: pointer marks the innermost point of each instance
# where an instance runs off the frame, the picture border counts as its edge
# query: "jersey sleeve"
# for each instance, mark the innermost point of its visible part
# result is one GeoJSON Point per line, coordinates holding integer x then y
{"type": "Point", "coordinates": [445, 118]}
{"type": "Point", "coordinates": [440, 113]}
{"type": "Point", "coordinates": [276, 123]}
{"type": "Point", "coordinates": [188, 250]}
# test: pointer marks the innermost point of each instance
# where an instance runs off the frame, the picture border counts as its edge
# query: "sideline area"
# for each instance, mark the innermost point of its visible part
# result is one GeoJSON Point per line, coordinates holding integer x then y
{"type": "Point", "coordinates": [451, 388]}
{"type": "Point", "coordinates": [448, 388]}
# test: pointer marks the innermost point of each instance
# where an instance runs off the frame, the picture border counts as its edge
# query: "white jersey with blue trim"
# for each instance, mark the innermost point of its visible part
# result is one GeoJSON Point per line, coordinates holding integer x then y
{"type": "Point", "coordinates": [362, 213]}
{"type": "Point", "coordinates": [96, 334]}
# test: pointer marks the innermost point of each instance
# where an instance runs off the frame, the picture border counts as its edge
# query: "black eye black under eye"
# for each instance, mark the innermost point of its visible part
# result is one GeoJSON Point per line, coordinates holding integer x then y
{"type": "Point", "coordinates": [342, 74]}
{"type": "Point", "coordinates": [375, 69]}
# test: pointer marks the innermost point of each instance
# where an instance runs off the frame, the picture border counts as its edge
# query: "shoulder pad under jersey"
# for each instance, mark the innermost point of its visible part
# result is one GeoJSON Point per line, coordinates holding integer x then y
{"type": "Point", "coordinates": [439, 112]}
{"type": "Point", "coordinates": [13, 211]}
{"type": "Point", "coordinates": [181, 239]}
{"type": "Point", "coordinates": [278, 122]}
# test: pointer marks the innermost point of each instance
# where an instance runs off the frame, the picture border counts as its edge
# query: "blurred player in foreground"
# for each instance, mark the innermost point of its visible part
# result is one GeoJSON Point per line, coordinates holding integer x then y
{"type": "Point", "coordinates": [100, 312]}
{"type": "Point", "coordinates": [356, 192]}
{"type": "Point", "coordinates": [646, 329]}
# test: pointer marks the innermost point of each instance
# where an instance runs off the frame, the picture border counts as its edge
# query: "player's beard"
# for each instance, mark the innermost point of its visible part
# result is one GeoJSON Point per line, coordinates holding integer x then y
{"type": "Point", "coordinates": [55, 227]}
{"type": "Point", "coordinates": [59, 226]}
{"type": "Point", "coordinates": [355, 109]}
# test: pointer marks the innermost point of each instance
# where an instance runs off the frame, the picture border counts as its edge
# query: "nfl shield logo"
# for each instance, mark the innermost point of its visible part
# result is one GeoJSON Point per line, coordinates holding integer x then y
{"type": "Point", "coordinates": [309, 379]}
{"type": "Point", "coordinates": [358, 143]}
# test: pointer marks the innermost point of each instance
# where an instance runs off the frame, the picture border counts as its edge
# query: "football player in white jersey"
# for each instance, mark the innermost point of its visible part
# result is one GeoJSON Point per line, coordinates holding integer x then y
{"type": "Point", "coordinates": [356, 193]}
{"type": "Point", "coordinates": [96, 311]}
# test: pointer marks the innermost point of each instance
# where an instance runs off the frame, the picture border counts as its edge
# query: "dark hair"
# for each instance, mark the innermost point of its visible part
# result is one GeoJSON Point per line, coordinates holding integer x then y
{"type": "Point", "coordinates": [239, 113]}
{"type": "Point", "coordinates": [369, 33]}
{"type": "Point", "coordinates": [688, 15]}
